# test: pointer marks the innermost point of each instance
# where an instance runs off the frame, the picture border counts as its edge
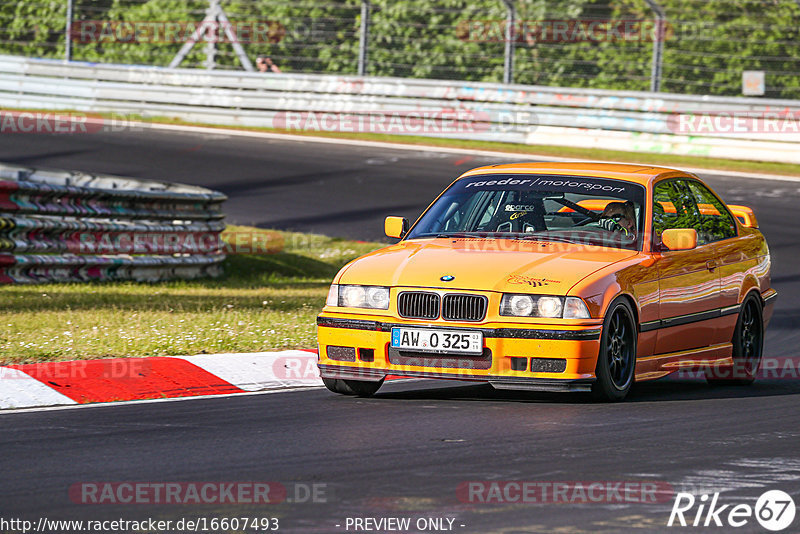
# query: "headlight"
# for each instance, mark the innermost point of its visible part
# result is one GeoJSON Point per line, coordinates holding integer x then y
{"type": "Point", "coordinates": [352, 296]}
{"type": "Point", "coordinates": [519, 305]}
{"type": "Point", "coordinates": [377, 297]}
{"type": "Point", "coordinates": [549, 306]}
{"type": "Point", "coordinates": [373, 297]}
{"type": "Point", "coordinates": [543, 306]}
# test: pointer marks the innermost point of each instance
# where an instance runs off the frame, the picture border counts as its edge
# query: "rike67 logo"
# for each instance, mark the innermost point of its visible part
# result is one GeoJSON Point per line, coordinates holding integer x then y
{"type": "Point", "coordinates": [774, 510]}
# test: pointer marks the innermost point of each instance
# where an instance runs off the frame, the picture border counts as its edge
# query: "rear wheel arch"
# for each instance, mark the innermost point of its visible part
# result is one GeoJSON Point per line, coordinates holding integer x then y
{"type": "Point", "coordinates": [748, 345]}
{"type": "Point", "coordinates": [755, 294]}
{"type": "Point", "coordinates": [750, 285]}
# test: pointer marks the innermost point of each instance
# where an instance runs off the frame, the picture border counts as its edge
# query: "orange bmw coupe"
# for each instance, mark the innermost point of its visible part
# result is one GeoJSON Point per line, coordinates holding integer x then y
{"type": "Point", "coordinates": [555, 277]}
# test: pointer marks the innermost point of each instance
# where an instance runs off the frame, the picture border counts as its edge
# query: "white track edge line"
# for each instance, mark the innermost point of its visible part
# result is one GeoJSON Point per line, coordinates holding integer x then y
{"type": "Point", "coordinates": [61, 407]}
{"type": "Point", "coordinates": [153, 401]}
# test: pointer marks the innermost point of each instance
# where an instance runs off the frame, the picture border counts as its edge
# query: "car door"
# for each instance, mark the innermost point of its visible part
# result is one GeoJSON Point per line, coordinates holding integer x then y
{"type": "Point", "coordinates": [689, 281]}
{"type": "Point", "coordinates": [719, 228]}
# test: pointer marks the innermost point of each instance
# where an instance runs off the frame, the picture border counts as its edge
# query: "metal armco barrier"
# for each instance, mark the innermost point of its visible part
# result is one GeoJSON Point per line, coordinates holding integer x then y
{"type": "Point", "coordinates": [617, 120]}
{"type": "Point", "coordinates": [71, 227]}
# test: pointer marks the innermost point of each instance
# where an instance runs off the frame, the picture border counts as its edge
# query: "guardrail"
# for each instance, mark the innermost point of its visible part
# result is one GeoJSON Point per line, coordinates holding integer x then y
{"type": "Point", "coordinates": [58, 226]}
{"type": "Point", "coordinates": [727, 127]}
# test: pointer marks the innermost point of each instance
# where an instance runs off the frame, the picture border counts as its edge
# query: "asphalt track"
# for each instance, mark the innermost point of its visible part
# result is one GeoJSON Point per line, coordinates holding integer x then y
{"type": "Point", "coordinates": [404, 452]}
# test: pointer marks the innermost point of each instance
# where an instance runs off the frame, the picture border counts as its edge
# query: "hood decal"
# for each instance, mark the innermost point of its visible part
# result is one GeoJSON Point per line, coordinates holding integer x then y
{"type": "Point", "coordinates": [524, 268]}
{"type": "Point", "coordinates": [531, 281]}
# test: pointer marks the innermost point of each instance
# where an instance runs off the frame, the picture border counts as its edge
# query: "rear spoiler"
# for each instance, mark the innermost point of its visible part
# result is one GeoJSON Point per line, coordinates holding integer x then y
{"type": "Point", "coordinates": [745, 215]}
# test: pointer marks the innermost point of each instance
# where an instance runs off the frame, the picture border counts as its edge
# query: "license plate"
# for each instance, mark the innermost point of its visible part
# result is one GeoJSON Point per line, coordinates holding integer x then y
{"type": "Point", "coordinates": [437, 341]}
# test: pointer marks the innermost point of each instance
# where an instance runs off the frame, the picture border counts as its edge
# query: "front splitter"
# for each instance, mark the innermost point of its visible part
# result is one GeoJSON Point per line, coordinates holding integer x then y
{"type": "Point", "coordinates": [498, 382]}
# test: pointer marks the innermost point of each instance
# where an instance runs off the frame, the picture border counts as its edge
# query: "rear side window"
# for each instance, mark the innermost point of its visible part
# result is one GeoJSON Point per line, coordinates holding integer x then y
{"type": "Point", "coordinates": [716, 221]}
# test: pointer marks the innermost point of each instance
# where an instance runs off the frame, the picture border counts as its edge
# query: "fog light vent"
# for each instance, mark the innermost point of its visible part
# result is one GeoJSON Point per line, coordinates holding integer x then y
{"type": "Point", "coordinates": [342, 354]}
{"type": "Point", "coordinates": [366, 355]}
{"type": "Point", "coordinates": [548, 365]}
{"type": "Point", "coordinates": [518, 364]}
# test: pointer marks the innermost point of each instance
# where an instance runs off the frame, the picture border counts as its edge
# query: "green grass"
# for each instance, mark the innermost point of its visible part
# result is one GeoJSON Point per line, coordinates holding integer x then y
{"type": "Point", "coordinates": [263, 302]}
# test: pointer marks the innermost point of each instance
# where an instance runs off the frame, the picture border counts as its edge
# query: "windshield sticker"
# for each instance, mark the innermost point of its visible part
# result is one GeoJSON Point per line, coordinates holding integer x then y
{"type": "Point", "coordinates": [520, 207]}
{"type": "Point", "coordinates": [554, 183]}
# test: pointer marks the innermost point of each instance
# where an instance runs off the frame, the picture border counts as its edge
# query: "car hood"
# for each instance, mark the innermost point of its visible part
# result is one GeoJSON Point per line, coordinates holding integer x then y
{"type": "Point", "coordinates": [482, 264]}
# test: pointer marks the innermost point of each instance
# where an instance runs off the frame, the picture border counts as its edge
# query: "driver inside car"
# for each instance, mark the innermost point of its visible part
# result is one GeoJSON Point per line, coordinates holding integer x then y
{"type": "Point", "coordinates": [619, 217]}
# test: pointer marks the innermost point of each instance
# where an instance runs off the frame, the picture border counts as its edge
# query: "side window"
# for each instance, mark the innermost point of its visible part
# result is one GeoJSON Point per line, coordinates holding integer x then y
{"type": "Point", "coordinates": [674, 207]}
{"type": "Point", "coordinates": [716, 222]}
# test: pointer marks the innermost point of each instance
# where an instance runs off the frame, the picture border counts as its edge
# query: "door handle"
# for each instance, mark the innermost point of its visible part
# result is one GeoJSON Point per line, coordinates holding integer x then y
{"type": "Point", "coordinates": [711, 265]}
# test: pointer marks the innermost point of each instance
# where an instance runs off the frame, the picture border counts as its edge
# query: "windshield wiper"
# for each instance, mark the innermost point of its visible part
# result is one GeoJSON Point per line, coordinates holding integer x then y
{"type": "Point", "coordinates": [456, 234]}
{"type": "Point", "coordinates": [499, 235]}
{"type": "Point", "coordinates": [560, 239]}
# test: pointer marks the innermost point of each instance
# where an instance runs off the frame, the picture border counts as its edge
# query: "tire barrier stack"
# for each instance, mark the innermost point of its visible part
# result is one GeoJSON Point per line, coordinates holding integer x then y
{"type": "Point", "coordinates": [58, 226]}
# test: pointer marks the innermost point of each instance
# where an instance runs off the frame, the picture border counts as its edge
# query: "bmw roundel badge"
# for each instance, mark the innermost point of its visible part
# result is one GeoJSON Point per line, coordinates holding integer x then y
{"type": "Point", "coordinates": [447, 278]}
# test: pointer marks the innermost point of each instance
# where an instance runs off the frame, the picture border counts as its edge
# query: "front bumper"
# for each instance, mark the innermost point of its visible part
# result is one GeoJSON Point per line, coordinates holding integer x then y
{"type": "Point", "coordinates": [516, 355]}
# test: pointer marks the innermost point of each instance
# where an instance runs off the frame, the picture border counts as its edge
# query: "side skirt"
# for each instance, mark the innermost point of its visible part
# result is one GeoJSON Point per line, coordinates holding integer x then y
{"type": "Point", "coordinates": [660, 365]}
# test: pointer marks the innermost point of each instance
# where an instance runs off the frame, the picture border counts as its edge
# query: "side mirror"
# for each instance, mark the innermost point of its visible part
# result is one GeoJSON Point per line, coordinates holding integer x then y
{"type": "Point", "coordinates": [679, 238]}
{"type": "Point", "coordinates": [395, 227]}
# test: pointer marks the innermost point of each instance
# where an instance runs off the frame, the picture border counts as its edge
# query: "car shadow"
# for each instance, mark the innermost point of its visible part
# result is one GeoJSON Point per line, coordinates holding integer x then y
{"type": "Point", "coordinates": [668, 389]}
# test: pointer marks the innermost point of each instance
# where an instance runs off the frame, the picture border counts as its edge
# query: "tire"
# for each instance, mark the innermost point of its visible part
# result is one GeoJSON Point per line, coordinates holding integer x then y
{"type": "Point", "coordinates": [616, 361]}
{"type": "Point", "coordinates": [748, 347]}
{"type": "Point", "coordinates": [358, 388]}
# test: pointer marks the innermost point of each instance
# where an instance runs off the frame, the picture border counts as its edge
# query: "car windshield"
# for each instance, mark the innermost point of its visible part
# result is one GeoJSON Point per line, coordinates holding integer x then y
{"type": "Point", "coordinates": [594, 211]}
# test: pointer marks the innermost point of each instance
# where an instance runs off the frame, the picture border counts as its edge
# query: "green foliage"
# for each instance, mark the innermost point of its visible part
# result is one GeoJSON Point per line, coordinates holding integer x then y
{"type": "Point", "coordinates": [708, 43]}
{"type": "Point", "coordinates": [716, 40]}
{"type": "Point", "coordinates": [33, 29]}
{"type": "Point", "coordinates": [315, 37]}
{"type": "Point", "coordinates": [157, 53]}
{"type": "Point", "coordinates": [424, 39]}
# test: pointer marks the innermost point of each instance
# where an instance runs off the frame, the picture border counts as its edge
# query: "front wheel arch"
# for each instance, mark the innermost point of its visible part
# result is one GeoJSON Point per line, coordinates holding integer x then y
{"type": "Point", "coordinates": [633, 305]}
{"type": "Point", "coordinates": [616, 360]}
